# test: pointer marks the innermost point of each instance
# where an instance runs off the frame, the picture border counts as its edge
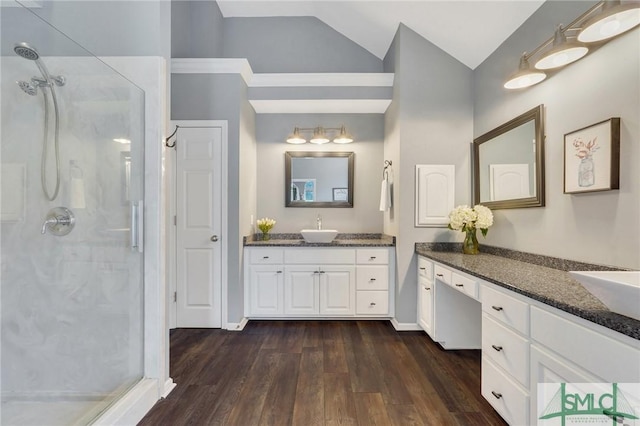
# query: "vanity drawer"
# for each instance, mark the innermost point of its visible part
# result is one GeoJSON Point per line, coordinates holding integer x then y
{"type": "Point", "coordinates": [319, 256]}
{"type": "Point", "coordinates": [506, 348]}
{"type": "Point", "coordinates": [425, 268]}
{"type": "Point", "coordinates": [505, 308]}
{"type": "Point", "coordinates": [372, 302]}
{"type": "Point", "coordinates": [374, 277]}
{"type": "Point", "coordinates": [465, 285]}
{"type": "Point", "coordinates": [266, 256]}
{"type": "Point", "coordinates": [506, 397]}
{"type": "Point", "coordinates": [372, 256]}
{"type": "Point", "coordinates": [442, 274]}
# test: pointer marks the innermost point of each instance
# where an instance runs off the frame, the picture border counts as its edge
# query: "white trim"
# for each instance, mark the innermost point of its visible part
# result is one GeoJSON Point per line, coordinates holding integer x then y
{"type": "Point", "coordinates": [30, 4]}
{"type": "Point", "coordinates": [320, 106]}
{"type": "Point", "coordinates": [223, 124]}
{"type": "Point", "coordinates": [237, 326]}
{"type": "Point", "coordinates": [169, 385]}
{"type": "Point", "coordinates": [405, 326]}
{"type": "Point", "coordinates": [213, 66]}
{"type": "Point", "coordinates": [133, 406]}
{"type": "Point", "coordinates": [352, 79]}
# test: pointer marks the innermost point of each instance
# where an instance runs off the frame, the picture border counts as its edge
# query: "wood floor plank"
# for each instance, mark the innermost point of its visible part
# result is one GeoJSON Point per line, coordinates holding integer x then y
{"type": "Point", "coordinates": [308, 408]}
{"type": "Point", "coordinates": [339, 407]}
{"type": "Point", "coordinates": [308, 373]}
{"type": "Point", "coordinates": [370, 409]}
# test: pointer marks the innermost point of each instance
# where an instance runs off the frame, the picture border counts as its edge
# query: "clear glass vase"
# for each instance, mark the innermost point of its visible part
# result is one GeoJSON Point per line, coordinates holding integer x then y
{"type": "Point", "coordinates": [470, 244]}
{"type": "Point", "coordinates": [265, 236]}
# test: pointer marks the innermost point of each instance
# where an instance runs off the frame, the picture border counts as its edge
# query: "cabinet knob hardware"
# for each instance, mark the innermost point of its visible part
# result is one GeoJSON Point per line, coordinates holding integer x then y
{"type": "Point", "coordinates": [459, 285]}
{"type": "Point", "coordinates": [372, 279]}
{"type": "Point", "coordinates": [440, 275]}
{"type": "Point", "coordinates": [372, 258]}
{"type": "Point", "coordinates": [372, 304]}
{"type": "Point", "coordinates": [265, 257]}
{"type": "Point", "coordinates": [214, 238]}
{"type": "Point", "coordinates": [497, 308]}
{"type": "Point", "coordinates": [427, 288]}
{"type": "Point", "coordinates": [321, 272]}
{"type": "Point", "coordinates": [423, 268]}
{"type": "Point", "coordinates": [278, 272]}
{"type": "Point", "coordinates": [497, 348]}
{"type": "Point", "coordinates": [496, 394]}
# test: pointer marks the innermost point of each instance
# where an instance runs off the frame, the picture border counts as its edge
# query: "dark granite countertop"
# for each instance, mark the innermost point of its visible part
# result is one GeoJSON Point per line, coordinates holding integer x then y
{"type": "Point", "coordinates": [541, 278]}
{"type": "Point", "coordinates": [341, 240]}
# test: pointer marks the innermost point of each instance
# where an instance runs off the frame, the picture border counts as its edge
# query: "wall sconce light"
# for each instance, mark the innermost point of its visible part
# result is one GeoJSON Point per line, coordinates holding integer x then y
{"type": "Point", "coordinates": [319, 136]}
{"type": "Point", "coordinates": [603, 21]}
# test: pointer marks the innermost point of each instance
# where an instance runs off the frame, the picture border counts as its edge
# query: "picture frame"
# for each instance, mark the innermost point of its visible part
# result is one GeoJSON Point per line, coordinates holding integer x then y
{"type": "Point", "coordinates": [592, 158]}
{"type": "Point", "coordinates": [340, 194]}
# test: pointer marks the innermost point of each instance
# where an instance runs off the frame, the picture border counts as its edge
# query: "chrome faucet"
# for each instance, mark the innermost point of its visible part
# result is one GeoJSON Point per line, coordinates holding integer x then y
{"type": "Point", "coordinates": [319, 222]}
{"type": "Point", "coordinates": [53, 221]}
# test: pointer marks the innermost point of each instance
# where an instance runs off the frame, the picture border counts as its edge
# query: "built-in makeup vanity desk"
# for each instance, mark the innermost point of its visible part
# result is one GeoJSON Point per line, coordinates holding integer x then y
{"type": "Point", "coordinates": [351, 277]}
{"type": "Point", "coordinates": [533, 322]}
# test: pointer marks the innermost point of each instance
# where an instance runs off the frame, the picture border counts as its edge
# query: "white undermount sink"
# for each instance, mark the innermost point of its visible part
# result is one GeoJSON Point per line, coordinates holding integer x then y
{"type": "Point", "coordinates": [618, 290]}
{"type": "Point", "coordinates": [319, 235]}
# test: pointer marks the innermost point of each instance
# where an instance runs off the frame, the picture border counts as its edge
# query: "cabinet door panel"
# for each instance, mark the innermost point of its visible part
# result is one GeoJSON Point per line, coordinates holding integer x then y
{"type": "Point", "coordinates": [435, 193]}
{"type": "Point", "coordinates": [337, 290]}
{"type": "Point", "coordinates": [301, 290]}
{"type": "Point", "coordinates": [266, 290]}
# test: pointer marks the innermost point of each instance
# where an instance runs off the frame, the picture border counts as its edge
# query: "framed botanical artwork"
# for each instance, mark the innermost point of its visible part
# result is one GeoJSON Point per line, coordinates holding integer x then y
{"type": "Point", "coordinates": [340, 194]}
{"type": "Point", "coordinates": [592, 158]}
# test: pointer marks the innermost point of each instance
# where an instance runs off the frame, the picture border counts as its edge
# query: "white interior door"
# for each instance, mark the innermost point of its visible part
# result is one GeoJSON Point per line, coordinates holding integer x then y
{"type": "Point", "coordinates": [199, 226]}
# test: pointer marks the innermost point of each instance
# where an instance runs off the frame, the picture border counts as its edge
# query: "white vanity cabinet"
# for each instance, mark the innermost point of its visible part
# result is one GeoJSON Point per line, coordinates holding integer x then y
{"type": "Point", "coordinates": [313, 282]}
{"type": "Point", "coordinates": [426, 289]}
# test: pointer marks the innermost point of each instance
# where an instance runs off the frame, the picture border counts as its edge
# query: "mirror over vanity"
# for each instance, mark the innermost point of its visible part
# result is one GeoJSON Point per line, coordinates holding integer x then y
{"type": "Point", "coordinates": [318, 179]}
{"type": "Point", "coordinates": [509, 163]}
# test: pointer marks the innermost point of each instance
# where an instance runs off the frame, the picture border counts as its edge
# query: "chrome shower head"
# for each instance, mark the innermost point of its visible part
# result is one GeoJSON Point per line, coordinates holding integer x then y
{"type": "Point", "coordinates": [28, 88]}
{"type": "Point", "coordinates": [26, 51]}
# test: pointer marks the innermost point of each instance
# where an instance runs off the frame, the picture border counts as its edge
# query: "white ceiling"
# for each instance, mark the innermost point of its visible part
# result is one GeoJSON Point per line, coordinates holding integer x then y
{"type": "Point", "coordinates": [469, 30]}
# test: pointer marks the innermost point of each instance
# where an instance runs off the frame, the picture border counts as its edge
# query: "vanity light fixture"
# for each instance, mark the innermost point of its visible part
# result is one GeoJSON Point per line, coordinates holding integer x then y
{"type": "Point", "coordinates": [563, 52]}
{"type": "Point", "coordinates": [600, 23]}
{"type": "Point", "coordinates": [319, 135]}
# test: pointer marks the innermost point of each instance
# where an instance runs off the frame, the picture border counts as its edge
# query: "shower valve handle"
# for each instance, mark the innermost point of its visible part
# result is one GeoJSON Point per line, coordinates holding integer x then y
{"type": "Point", "coordinates": [59, 221]}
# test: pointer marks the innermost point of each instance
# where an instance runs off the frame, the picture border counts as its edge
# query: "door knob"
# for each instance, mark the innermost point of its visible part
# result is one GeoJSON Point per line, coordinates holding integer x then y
{"type": "Point", "coordinates": [214, 238]}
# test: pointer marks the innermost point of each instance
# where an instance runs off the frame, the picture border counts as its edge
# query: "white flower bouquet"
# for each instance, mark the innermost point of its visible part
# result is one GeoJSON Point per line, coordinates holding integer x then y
{"type": "Point", "coordinates": [465, 218]}
{"type": "Point", "coordinates": [264, 225]}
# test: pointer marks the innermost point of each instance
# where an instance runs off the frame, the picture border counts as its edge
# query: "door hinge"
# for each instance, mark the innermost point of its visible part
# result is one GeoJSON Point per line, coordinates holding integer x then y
{"type": "Point", "coordinates": [175, 220]}
{"type": "Point", "coordinates": [175, 296]}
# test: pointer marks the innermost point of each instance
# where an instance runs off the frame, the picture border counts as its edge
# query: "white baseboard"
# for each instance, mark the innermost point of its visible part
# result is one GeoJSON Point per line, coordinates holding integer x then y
{"type": "Point", "coordinates": [169, 385]}
{"type": "Point", "coordinates": [237, 326]}
{"type": "Point", "coordinates": [133, 406]}
{"type": "Point", "coordinates": [405, 326]}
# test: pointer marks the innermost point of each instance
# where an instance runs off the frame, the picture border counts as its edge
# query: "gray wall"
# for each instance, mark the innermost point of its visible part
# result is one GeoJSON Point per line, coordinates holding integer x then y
{"type": "Point", "coordinates": [223, 97]}
{"type": "Point", "coordinates": [197, 29]}
{"type": "Point", "coordinates": [368, 133]}
{"type": "Point", "coordinates": [599, 227]}
{"type": "Point", "coordinates": [430, 122]}
{"type": "Point", "coordinates": [294, 44]}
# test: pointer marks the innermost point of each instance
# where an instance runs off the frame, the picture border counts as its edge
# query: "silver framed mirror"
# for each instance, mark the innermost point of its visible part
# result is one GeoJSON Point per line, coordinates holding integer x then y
{"type": "Point", "coordinates": [508, 163]}
{"type": "Point", "coordinates": [318, 179]}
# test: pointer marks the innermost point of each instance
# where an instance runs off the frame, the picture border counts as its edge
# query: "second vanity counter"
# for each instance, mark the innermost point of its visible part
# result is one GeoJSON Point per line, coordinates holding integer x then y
{"type": "Point", "coordinates": [341, 240]}
{"type": "Point", "coordinates": [551, 285]}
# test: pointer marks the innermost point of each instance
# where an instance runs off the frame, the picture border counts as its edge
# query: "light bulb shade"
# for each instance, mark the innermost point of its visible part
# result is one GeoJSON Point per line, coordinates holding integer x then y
{"type": "Point", "coordinates": [614, 20]}
{"type": "Point", "coordinates": [319, 136]}
{"type": "Point", "coordinates": [343, 136]}
{"type": "Point", "coordinates": [295, 138]}
{"type": "Point", "coordinates": [525, 77]}
{"type": "Point", "coordinates": [562, 53]}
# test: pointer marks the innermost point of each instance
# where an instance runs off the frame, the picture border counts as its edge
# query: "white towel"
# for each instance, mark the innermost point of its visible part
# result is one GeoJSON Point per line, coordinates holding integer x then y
{"type": "Point", "coordinates": [385, 195]}
{"type": "Point", "coordinates": [76, 193]}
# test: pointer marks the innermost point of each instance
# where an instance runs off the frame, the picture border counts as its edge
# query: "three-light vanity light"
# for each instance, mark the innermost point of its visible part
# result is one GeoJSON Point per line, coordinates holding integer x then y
{"type": "Point", "coordinates": [319, 136]}
{"type": "Point", "coordinates": [602, 22]}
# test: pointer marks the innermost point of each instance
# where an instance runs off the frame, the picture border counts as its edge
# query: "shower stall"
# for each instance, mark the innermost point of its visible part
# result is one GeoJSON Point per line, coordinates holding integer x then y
{"type": "Point", "coordinates": [72, 269]}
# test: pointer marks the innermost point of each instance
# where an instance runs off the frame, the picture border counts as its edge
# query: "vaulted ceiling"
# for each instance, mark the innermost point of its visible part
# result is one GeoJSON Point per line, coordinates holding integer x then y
{"type": "Point", "coordinates": [469, 30]}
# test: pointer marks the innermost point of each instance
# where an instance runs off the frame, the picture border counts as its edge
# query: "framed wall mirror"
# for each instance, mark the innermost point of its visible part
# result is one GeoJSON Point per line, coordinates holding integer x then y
{"type": "Point", "coordinates": [508, 163]}
{"type": "Point", "coordinates": [318, 179]}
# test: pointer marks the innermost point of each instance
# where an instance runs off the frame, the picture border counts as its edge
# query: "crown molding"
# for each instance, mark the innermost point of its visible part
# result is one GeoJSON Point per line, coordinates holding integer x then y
{"type": "Point", "coordinates": [320, 106]}
{"type": "Point", "coordinates": [322, 80]}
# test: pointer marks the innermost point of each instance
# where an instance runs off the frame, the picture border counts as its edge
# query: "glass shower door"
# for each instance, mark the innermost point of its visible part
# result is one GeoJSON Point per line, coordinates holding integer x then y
{"type": "Point", "coordinates": [72, 304]}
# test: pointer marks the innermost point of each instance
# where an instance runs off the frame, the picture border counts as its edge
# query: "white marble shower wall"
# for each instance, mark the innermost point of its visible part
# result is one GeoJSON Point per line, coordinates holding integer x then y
{"type": "Point", "coordinates": [72, 306]}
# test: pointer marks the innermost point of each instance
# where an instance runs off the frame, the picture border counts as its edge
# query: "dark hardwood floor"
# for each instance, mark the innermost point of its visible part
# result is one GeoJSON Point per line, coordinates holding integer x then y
{"type": "Point", "coordinates": [320, 373]}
